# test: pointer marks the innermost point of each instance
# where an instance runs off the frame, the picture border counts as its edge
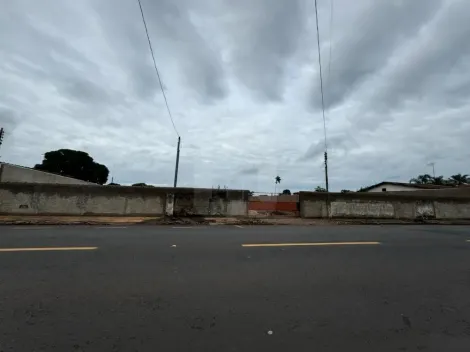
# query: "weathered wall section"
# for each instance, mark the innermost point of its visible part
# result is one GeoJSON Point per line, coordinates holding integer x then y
{"type": "Point", "coordinates": [57, 199]}
{"type": "Point", "coordinates": [15, 173]}
{"type": "Point", "coordinates": [400, 205]}
{"type": "Point", "coordinates": [200, 201]}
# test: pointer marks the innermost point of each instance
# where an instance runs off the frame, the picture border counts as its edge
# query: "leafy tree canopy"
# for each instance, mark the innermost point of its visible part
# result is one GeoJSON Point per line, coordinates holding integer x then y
{"type": "Point", "coordinates": [459, 179]}
{"type": "Point", "coordinates": [427, 179]}
{"type": "Point", "coordinates": [286, 191]}
{"type": "Point", "coordinates": [422, 179]}
{"type": "Point", "coordinates": [320, 189]}
{"type": "Point", "coordinates": [74, 163]}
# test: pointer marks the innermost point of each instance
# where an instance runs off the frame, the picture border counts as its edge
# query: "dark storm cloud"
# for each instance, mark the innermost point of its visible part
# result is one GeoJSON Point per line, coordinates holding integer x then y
{"type": "Point", "coordinates": [429, 71]}
{"type": "Point", "coordinates": [364, 49]}
{"type": "Point", "coordinates": [266, 35]}
{"type": "Point", "coordinates": [50, 59]}
{"type": "Point", "coordinates": [175, 41]}
{"type": "Point", "coordinates": [336, 143]}
{"type": "Point", "coordinates": [252, 170]}
{"type": "Point", "coordinates": [433, 69]}
{"type": "Point", "coordinates": [85, 90]}
{"type": "Point", "coordinates": [8, 119]}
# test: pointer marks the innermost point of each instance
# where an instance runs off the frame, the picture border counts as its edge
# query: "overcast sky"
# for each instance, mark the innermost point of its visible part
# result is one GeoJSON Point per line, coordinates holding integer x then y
{"type": "Point", "coordinates": [242, 82]}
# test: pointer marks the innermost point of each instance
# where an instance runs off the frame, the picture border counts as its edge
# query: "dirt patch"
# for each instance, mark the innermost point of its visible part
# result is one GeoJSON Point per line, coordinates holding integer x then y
{"type": "Point", "coordinates": [177, 221]}
{"type": "Point", "coordinates": [72, 220]}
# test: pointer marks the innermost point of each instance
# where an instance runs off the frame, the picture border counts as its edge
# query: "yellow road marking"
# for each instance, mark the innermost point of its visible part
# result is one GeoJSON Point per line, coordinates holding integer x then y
{"type": "Point", "coordinates": [43, 249]}
{"type": "Point", "coordinates": [309, 244]}
{"type": "Point", "coordinates": [31, 228]}
{"type": "Point", "coordinates": [112, 227]}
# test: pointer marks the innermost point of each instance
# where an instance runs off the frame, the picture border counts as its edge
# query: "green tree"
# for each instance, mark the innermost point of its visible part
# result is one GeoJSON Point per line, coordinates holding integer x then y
{"type": "Point", "coordinates": [345, 191]}
{"type": "Point", "coordinates": [438, 180]}
{"type": "Point", "coordinates": [286, 192]}
{"type": "Point", "coordinates": [422, 179]}
{"type": "Point", "coordinates": [141, 184]}
{"type": "Point", "coordinates": [74, 163]}
{"type": "Point", "coordinates": [320, 189]}
{"type": "Point", "coordinates": [459, 179]}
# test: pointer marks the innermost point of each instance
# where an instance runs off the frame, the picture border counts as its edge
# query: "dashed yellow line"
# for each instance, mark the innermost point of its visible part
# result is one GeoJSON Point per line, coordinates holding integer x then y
{"type": "Point", "coordinates": [44, 249]}
{"type": "Point", "coordinates": [310, 244]}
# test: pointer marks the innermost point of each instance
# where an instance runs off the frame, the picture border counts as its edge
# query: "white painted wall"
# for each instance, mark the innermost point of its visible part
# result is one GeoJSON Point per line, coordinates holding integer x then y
{"type": "Point", "coordinates": [366, 209]}
{"type": "Point", "coordinates": [395, 188]}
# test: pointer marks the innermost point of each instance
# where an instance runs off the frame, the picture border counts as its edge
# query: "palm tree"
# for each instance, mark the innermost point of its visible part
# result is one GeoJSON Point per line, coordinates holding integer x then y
{"type": "Point", "coordinates": [438, 180]}
{"type": "Point", "coordinates": [422, 179]}
{"type": "Point", "coordinates": [277, 180]}
{"type": "Point", "coordinates": [459, 179]}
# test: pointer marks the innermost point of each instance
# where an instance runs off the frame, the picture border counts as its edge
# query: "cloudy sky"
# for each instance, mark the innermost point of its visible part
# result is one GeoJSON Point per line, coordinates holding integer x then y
{"type": "Point", "coordinates": [242, 82]}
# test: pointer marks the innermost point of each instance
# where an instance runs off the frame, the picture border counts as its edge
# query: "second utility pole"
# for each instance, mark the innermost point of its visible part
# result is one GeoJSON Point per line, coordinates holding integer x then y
{"type": "Point", "coordinates": [177, 162]}
{"type": "Point", "coordinates": [2, 133]}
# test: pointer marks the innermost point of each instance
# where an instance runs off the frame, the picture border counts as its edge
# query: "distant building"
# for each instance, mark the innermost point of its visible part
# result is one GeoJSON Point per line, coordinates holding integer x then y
{"type": "Point", "coordinates": [16, 173]}
{"type": "Point", "coordinates": [402, 187]}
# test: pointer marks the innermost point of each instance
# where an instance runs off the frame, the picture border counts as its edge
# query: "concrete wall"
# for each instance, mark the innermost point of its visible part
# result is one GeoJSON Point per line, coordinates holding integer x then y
{"type": "Point", "coordinates": [399, 205]}
{"type": "Point", "coordinates": [15, 173]}
{"type": "Point", "coordinates": [201, 201]}
{"type": "Point", "coordinates": [55, 199]}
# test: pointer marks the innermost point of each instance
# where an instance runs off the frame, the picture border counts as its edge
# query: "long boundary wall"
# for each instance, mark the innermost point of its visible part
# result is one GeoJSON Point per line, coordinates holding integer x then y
{"type": "Point", "coordinates": [58, 199]}
{"type": "Point", "coordinates": [399, 205]}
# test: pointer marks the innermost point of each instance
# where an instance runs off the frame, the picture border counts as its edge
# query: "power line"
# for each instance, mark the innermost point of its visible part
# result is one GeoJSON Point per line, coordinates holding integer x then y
{"type": "Point", "coordinates": [321, 77]}
{"type": "Point", "coordinates": [331, 39]}
{"type": "Point", "coordinates": [323, 113]}
{"type": "Point", "coordinates": [156, 69]}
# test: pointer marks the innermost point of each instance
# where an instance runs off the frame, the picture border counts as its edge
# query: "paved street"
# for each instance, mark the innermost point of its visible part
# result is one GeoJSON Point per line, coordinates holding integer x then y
{"type": "Point", "coordinates": [219, 288]}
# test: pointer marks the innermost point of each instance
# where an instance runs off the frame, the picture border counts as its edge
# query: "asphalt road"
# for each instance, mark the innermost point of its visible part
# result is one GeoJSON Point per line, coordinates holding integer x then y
{"type": "Point", "coordinates": [200, 289]}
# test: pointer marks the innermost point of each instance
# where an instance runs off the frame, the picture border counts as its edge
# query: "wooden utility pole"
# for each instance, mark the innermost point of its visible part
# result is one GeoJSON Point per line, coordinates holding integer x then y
{"type": "Point", "coordinates": [2, 133]}
{"type": "Point", "coordinates": [177, 162]}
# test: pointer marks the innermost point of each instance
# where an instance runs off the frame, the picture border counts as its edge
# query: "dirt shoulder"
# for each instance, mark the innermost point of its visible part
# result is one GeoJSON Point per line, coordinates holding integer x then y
{"type": "Point", "coordinates": [134, 220]}
{"type": "Point", "coordinates": [72, 220]}
{"type": "Point", "coordinates": [193, 221]}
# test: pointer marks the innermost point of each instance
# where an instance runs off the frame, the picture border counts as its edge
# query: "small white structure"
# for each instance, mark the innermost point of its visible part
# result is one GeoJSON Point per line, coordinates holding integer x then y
{"type": "Point", "coordinates": [402, 187]}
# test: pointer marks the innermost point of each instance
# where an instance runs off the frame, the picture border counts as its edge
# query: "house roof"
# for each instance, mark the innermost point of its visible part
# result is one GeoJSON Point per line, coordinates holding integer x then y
{"type": "Point", "coordinates": [410, 185]}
